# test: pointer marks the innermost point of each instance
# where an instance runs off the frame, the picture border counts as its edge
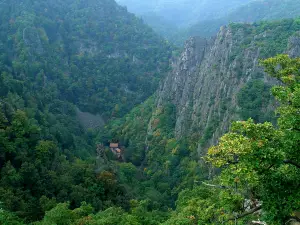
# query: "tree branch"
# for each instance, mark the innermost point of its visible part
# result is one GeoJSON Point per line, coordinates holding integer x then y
{"type": "Point", "coordinates": [259, 222]}
{"type": "Point", "coordinates": [291, 162]}
{"type": "Point", "coordinates": [233, 162]}
{"type": "Point", "coordinates": [246, 213]}
{"type": "Point", "coordinates": [232, 189]}
{"type": "Point", "coordinates": [215, 186]}
{"type": "Point", "coordinates": [295, 218]}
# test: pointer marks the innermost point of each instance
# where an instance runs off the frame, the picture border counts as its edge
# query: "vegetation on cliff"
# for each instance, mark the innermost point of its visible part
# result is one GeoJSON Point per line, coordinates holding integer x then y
{"type": "Point", "coordinates": [258, 181]}
{"type": "Point", "coordinates": [58, 55]}
{"type": "Point", "coordinates": [91, 53]}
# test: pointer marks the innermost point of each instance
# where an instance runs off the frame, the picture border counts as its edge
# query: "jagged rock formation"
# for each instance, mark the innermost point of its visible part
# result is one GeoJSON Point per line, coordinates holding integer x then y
{"type": "Point", "coordinates": [206, 79]}
{"type": "Point", "coordinates": [294, 45]}
{"type": "Point", "coordinates": [211, 84]}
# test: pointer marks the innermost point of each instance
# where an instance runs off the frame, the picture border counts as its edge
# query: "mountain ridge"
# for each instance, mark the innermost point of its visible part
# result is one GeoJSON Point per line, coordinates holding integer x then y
{"type": "Point", "coordinates": [212, 83]}
{"type": "Point", "coordinates": [253, 11]}
{"type": "Point", "coordinates": [57, 59]}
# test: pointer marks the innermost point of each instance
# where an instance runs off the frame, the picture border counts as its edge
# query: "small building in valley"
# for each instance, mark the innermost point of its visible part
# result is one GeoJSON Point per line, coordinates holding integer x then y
{"type": "Point", "coordinates": [116, 149]}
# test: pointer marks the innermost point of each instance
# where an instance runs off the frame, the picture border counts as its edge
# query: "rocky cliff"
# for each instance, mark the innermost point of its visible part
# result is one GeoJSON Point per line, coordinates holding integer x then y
{"type": "Point", "coordinates": [212, 83]}
{"type": "Point", "coordinates": [208, 77]}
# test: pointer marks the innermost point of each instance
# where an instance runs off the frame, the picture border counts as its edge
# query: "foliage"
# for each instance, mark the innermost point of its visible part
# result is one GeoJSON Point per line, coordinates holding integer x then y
{"type": "Point", "coordinates": [260, 160]}
{"type": "Point", "coordinates": [58, 56]}
{"type": "Point", "coordinates": [35, 175]}
{"type": "Point", "coordinates": [105, 60]}
{"type": "Point", "coordinates": [131, 131]}
{"type": "Point", "coordinates": [8, 218]}
{"type": "Point", "coordinates": [145, 134]}
{"type": "Point", "coordinates": [274, 42]}
{"type": "Point", "coordinates": [62, 215]}
{"type": "Point", "coordinates": [253, 99]}
{"type": "Point", "coordinates": [178, 167]}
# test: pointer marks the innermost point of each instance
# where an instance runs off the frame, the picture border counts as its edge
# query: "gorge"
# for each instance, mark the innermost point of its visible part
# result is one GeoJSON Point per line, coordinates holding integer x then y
{"type": "Point", "coordinates": [80, 77]}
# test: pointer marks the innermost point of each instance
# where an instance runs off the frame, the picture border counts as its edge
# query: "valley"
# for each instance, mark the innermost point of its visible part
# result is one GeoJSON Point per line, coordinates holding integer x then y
{"type": "Point", "coordinates": [105, 120]}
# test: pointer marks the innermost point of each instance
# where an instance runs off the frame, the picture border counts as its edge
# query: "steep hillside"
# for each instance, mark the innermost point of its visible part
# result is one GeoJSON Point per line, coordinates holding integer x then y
{"type": "Point", "coordinates": [254, 11]}
{"type": "Point", "coordinates": [220, 80]}
{"type": "Point", "coordinates": [161, 177]}
{"type": "Point", "coordinates": [212, 83]}
{"type": "Point", "coordinates": [58, 60]}
{"type": "Point", "coordinates": [96, 54]}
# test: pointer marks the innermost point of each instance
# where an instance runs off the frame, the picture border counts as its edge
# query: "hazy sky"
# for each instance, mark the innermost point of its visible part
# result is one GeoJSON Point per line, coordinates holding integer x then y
{"type": "Point", "coordinates": [183, 12]}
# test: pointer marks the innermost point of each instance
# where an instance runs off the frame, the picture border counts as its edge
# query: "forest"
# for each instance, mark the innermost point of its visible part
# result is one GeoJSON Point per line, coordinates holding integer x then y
{"type": "Point", "coordinates": [58, 58]}
{"type": "Point", "coordinates": [252, 12]}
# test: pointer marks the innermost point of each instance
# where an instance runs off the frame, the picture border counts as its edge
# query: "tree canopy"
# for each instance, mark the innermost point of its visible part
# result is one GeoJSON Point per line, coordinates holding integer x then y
{"type": "Point", "coordinates": [261, 162]}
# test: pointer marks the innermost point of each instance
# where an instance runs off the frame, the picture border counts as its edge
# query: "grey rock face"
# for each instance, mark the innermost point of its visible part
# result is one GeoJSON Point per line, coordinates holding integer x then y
{"type": "Point", "coordinates": [294, 46]}
{"type": "Point", "coordinates": [32, 40]}
{"type": "Point", "coordinates": [205, 80]}
{"type": "Point", "coordinates": [178, 87]}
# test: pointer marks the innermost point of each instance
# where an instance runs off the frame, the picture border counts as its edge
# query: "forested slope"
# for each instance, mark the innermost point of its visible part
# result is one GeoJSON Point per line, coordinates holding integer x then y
{"type": "Point", "coordinates": [57, 56]}
{"type": "Point", "coordinates": [253, 11]}
{"type": "Point", "coordinates": [93, 53]}
{"type": "Point", "coordinates": [211, 84]}
{"type": "Point", "coordinates": [48, 170]}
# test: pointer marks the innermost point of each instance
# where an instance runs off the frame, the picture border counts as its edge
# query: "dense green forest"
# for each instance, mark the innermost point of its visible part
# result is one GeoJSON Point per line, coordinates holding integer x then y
{"type": "Point", "coordinates": [177, 171]}
{"type": "Point", "coordinates": [93, 54]}
{"type": "Point", "coordinates": [57, 56]}
{"type": "Point", "coordinates": [260, 166]}
{"type": "Point", "coordinates": [260, 10]}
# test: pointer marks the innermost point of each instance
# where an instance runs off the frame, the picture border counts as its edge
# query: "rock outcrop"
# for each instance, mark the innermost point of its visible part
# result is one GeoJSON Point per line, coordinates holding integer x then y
{"type": "Point", "coordinates": [206, 79]}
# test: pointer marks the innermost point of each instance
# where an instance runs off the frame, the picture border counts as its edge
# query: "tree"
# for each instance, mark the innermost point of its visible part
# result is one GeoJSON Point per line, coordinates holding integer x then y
{"type": "Point", "coordinates": [261, 162]}
{"type": "Point", "coordinates": [7, 218]}
{"type": "Point", "coordinates": [62, 215]}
